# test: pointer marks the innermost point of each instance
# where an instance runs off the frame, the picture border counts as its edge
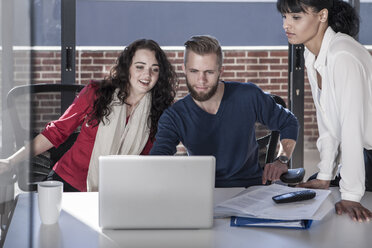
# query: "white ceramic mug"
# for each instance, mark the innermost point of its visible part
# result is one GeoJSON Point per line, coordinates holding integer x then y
{"type": "Point", "coordinates": [50, 199]}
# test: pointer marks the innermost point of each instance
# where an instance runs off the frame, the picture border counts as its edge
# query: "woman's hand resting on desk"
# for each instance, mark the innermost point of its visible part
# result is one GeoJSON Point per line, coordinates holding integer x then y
{"type": "Point", "coordinates": [354, 209]}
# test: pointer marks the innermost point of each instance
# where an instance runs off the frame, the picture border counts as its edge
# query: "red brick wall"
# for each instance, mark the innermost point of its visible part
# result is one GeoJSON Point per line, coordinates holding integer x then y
{"type": "Point", "coordinates": [267, 69]}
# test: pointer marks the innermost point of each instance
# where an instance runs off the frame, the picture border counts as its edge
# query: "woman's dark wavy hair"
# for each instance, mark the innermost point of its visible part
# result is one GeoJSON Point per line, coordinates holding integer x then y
{"type": "Point", "coordinates": [162, 93]}
{"type": "Point", "coordinates": [342, 17]}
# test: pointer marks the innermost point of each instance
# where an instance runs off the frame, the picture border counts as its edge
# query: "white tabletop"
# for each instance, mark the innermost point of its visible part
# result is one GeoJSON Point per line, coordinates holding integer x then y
{"type": "Point", "coordinates": [78, 227]}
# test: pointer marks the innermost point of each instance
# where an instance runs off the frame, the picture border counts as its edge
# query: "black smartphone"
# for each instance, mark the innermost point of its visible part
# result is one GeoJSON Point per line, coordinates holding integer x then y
{"type": "Point", "coordinates": [295, 196]}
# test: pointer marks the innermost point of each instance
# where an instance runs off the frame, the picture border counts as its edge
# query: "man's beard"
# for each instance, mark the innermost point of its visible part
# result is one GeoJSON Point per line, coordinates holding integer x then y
{"type": "Point", "coordinates": [202, 97]}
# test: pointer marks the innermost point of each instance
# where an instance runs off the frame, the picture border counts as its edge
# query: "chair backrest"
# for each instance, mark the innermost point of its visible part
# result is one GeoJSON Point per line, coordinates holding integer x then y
{"type": "Point", "coordinates": [21, 133]}
{"type": "Point", "coordinates": [39, 166]}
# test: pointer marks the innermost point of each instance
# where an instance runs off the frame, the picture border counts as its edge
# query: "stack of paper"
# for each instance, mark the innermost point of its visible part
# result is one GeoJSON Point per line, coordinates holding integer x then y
{"type": "Point", "coordinates": [258, 208]}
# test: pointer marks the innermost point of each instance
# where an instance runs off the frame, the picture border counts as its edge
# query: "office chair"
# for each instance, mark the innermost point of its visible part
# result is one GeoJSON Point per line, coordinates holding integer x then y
{"type": "Point", "coordinates": [267, 147]}
{"type": "Point", "coordinates": [36, 170]}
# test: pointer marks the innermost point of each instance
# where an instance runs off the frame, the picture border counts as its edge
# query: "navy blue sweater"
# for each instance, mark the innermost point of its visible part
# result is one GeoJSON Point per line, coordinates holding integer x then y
{"type": "Point", "coordinates": [229, 135]}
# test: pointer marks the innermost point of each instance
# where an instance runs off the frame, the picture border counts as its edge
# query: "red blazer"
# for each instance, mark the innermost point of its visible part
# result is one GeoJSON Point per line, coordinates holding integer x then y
{"type": "Point", "coordinates": [73, 165]}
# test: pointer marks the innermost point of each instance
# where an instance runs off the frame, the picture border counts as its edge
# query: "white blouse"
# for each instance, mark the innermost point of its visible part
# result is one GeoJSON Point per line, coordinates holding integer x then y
{"type": "Point", "coordinates": [343, 108]}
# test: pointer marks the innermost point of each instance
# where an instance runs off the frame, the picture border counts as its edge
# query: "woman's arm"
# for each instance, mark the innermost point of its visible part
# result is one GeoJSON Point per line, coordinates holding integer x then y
{"type": "Point", "coordinates": [351, 86]}
{"type": "Point", "coordinates": [37, 146]}
{"type": "Point", "coordinates": [56, 132]}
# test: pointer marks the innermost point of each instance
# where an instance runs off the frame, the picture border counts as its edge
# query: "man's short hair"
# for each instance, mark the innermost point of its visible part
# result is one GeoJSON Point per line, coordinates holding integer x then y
{"type": "Point", "coordinates": [203, 44]}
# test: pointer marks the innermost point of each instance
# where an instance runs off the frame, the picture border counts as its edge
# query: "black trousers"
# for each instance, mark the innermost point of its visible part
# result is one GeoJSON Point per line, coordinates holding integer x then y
{"type": "Point", "coordinates": [368, 169]}
{"type": "Point", "coordinates": [53, 176]}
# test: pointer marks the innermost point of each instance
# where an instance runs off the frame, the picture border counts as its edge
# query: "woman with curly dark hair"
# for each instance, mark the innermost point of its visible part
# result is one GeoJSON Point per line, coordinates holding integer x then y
{"type": "Point", "coordinates": [339, 70]}
{"type": "Point", "coordinates": [117, 116]}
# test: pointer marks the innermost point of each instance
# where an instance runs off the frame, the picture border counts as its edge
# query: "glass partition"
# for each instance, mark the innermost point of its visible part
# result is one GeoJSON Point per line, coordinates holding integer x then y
{"type": "Point", "coordinates": [15, 69]}
{"type": "Point", "coordinates": [27, 27]}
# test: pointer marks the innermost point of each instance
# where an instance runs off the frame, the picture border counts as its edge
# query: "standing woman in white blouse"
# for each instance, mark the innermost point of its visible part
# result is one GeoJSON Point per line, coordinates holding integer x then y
{"type": "Point", "coordinates": [340, 74]}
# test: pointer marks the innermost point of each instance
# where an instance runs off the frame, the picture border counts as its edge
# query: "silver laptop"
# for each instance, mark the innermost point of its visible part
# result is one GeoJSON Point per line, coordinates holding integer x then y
{"type": "Point", "coordinates": [147, 192]}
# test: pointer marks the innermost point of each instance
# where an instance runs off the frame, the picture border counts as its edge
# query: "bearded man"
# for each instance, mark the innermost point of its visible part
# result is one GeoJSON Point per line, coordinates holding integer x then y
{"type": "Point", "coordinates": [218, 118]}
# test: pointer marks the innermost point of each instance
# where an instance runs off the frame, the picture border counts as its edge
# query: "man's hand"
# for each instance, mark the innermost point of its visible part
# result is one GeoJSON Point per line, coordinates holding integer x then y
{"type": "Point", "coordinates": [354, 209]}
{"type": "Point", "coordinates": [273, 171]}
{"type": "Point", "coordinates": [315, 184]}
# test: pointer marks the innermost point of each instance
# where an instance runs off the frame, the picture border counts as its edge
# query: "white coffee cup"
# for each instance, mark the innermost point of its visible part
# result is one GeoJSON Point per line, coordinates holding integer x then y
{"type": "Point", "coordinates": [50, 199]}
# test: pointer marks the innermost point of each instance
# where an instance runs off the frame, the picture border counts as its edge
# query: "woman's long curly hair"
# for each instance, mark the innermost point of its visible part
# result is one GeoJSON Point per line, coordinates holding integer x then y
{"type": "Point", "coordinates": [162, 93]}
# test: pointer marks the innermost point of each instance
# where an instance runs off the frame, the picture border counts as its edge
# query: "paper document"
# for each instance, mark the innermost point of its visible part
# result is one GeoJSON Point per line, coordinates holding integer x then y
{"type": "Point", "coordinates": [258, 203]}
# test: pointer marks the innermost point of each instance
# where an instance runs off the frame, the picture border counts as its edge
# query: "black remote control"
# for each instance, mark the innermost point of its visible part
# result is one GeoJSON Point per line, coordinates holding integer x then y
{"type": "Point", "coordinates": [294, 196]}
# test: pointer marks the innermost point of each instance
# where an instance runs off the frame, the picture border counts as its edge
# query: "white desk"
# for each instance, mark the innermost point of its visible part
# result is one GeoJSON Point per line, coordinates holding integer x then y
{"type": "Point", "coordinates": [78, 227]}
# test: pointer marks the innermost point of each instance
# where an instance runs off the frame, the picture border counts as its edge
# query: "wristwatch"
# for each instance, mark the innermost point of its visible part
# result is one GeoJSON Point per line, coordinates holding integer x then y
{"type": "Point", "coordinates": [282, 159]}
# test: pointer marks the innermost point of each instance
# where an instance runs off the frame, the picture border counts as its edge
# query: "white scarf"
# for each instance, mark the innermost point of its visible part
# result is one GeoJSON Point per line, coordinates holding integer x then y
{"type": "Point", "coordinates": [118, 137]}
